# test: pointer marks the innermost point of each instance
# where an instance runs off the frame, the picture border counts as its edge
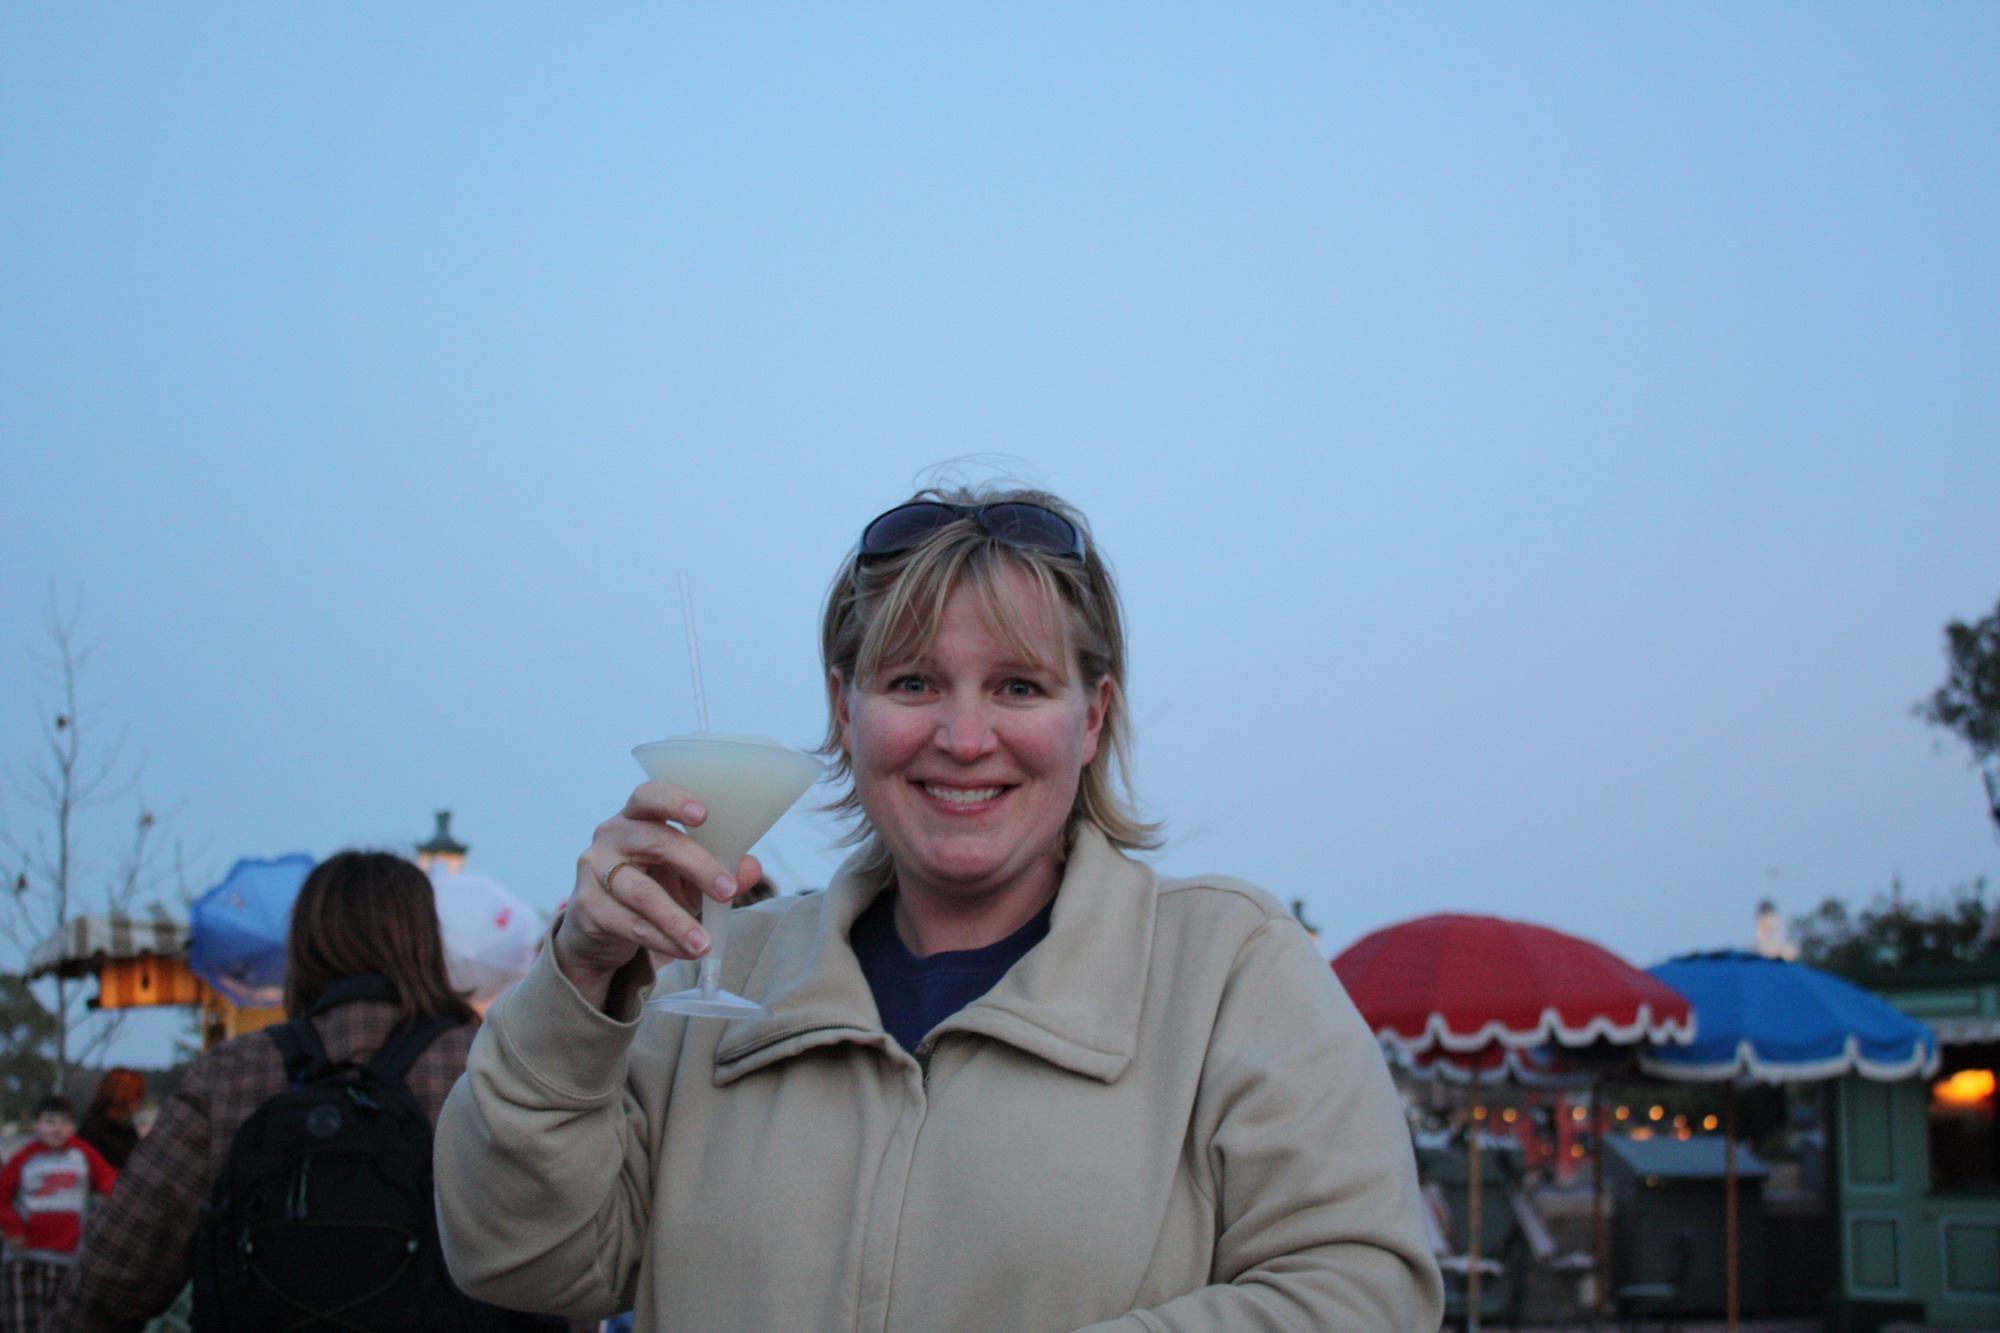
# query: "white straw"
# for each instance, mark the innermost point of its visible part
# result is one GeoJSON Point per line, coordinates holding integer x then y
{"type": "Point", "coordinates": [694, 654]}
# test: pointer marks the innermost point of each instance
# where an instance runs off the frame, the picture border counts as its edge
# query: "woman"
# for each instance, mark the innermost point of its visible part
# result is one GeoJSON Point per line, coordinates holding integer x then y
{"type": "Point", "coordinates": [109, 1125]}
{"type": "Point", "coordinates": [1011, 1079]}
{"type": "Point", "coordinates": [359, 914]}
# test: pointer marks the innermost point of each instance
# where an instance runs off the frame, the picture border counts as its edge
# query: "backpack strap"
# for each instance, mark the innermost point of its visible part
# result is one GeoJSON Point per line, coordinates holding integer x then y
{"type": "Point", "coordinates": [405, 1044]}
{"type": "Point", "coordinates": [299, 1045]}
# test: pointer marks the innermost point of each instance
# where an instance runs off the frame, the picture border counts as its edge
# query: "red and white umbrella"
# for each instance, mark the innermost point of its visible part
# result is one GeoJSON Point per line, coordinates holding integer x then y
{"type": "Point", "coordinates": [490, 936]}
{"type": "Point", "coordinates": [1478, 999]}
{"type": "Point", "coordinates": [1464, 983]}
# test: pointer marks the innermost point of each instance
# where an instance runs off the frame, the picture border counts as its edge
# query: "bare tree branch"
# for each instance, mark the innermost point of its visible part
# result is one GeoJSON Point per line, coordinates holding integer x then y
{"type": "Point", "coordinates": [54, 874]}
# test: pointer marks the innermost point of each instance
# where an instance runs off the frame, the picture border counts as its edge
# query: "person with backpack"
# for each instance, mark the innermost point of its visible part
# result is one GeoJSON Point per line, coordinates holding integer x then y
{"type": "Point", "coordinates": [289, 1174]}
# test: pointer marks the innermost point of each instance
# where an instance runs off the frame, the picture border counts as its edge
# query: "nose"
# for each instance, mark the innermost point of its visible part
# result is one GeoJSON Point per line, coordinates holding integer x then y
{"type": "Point", "coordinates": [964, 730]}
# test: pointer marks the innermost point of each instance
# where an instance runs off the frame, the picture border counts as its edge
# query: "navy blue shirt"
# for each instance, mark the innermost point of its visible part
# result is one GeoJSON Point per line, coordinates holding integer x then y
{"type": "Point", "coordinates": [916, 994]}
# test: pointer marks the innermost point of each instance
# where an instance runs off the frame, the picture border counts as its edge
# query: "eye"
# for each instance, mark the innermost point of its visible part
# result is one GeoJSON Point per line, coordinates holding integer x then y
{"type": "Point", "coordinates": [1021, 688]}
{"type": "Point", "coordinates": [907, 685]}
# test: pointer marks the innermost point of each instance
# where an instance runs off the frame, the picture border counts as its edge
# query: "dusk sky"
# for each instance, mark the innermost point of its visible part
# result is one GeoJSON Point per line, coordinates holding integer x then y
{"type": "Point", "coordinates": [1540, 445]}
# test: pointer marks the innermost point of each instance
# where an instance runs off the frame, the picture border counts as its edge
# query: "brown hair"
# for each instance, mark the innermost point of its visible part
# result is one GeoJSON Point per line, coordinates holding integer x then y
{"type": "Point", "coordinates": [120, 1089]}
{"type": "Point", "coordinates": [890, 608]}
{"type": "Point", "coordinates": [363, 912]}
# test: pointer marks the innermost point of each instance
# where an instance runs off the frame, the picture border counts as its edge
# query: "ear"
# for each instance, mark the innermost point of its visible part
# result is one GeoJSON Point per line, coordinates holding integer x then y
{"type": "Point", "coordinates": [836, 698]}
{"type": "Point", "coordinates": [1093, 724]}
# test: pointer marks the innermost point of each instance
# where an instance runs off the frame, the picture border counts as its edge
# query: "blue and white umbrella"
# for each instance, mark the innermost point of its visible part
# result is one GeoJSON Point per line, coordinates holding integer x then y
{"type": "Point", "coordinates": [238, 929]}
{"type": "Point", "coordinates": [1763, 1019]}
{"type": "Point", "coordinates": [1777, 1022]}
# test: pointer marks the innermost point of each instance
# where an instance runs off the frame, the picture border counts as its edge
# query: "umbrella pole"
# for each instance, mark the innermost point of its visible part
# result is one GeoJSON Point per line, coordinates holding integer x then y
{"type": "Point", "coordinates": [1472, 1215]}
{"type": "Point", "coordinates": [1729, 1193]}
{"type": "Point", "coordinates": [1602, 1289]}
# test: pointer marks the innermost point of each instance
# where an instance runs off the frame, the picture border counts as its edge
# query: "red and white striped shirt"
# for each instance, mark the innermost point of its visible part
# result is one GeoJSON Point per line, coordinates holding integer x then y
{"type": "Point", "coordinates": [42, 1195]}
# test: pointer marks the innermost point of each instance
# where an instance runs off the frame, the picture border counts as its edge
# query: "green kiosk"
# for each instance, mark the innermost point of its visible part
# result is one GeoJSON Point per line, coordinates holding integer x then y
{"type": "Point", "coordinates": [1914, 1166]}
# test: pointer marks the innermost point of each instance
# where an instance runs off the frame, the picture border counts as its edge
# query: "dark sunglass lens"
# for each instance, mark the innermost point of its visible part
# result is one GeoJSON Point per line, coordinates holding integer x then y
{"type": "Point", "coordinates": [1034, 527]}
{"type": "Point", "coordinates": [903, 527]}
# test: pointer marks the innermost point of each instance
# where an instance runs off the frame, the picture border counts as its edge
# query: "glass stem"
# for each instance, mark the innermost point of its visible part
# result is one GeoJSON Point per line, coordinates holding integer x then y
{"type": "Point", "coordinates": [714, 920]}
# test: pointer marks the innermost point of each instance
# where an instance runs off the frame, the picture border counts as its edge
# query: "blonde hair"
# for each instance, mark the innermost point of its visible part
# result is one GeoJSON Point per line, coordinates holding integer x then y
{"type": "Point", "coordinates": [889, 609]}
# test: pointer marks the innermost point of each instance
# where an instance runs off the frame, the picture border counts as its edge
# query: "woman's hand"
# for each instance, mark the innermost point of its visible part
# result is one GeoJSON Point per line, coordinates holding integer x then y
{"type": "Point", "coordinates": [652, 901]}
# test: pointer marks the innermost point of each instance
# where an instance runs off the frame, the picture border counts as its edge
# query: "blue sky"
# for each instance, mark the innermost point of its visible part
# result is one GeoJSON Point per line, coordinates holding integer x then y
{"type": "Point", "coordinates": [1540, 444]}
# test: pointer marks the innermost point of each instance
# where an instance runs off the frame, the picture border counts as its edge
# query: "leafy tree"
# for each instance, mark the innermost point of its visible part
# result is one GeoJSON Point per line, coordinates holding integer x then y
{"type": "Point", "coordinates": [1968, 703]}
{"type": "Point", "coordinates": [1894, 930]}
{"type": "Point", "coordinates": [57, 869]}
{"type": "Point", "coordinates": [27, 1049]}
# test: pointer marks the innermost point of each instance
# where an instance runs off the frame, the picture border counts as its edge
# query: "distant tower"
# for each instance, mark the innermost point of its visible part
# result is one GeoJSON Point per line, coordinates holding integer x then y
{"type": "Point", "coordinates": [443, 854]}
{"type": "Point", "coordinates": [1771, 941]}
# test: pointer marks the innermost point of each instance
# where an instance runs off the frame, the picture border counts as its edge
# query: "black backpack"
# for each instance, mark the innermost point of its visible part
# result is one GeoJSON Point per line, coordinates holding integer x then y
{"type": "Point", "coordinates": [322, 1220]}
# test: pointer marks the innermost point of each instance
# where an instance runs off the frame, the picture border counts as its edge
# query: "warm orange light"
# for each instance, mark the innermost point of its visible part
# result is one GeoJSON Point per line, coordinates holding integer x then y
{"type": "Point", "coordinates": [1709, 1122]}
{"type": "Point", "coordinates": [1576, 1150]}
{"type": "Point", "coordinates": [1510, 1115]}
{"type": "Point", "coordinates": [1624, 1112]}
{"type": "Point", "coordinates": [1642, 1133]}
{"type": "Point", "coordinates": [1684, 1133]}
{"type": "Point", "coordinates": [1680, 1122]}
{"type": "Point", "coordinates": [1968, 1087]}
{"type": "Point", "coordinates": [1478, 1113]}
{"type": "Point", "coordinates": [1656, 1113]}
{"type": "Point", "coordinates": [1578, 1113]}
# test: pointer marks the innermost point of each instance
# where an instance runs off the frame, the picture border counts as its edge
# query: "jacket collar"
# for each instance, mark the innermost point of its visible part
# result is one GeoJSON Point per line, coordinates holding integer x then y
{"type": "Point", "coordinates": [1073, 1001]}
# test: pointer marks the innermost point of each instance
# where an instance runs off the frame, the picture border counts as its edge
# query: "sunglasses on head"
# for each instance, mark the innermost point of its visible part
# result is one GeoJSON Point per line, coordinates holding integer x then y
{"type": "Point", "coordinates": [1028, 526]}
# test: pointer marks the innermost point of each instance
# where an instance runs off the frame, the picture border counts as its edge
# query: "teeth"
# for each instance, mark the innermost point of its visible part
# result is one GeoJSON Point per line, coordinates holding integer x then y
{"type": "Point", "coordinates": [961, 795]}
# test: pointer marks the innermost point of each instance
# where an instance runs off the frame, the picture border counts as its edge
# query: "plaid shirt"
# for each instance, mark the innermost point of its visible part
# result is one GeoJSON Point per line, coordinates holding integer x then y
{"type": "Point", "coordinates": [138, 1249]}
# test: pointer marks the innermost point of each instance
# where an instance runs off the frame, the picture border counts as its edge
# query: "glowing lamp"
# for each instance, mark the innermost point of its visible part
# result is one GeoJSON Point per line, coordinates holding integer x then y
{"type": "Point", "coordinates": [1966, 1088]}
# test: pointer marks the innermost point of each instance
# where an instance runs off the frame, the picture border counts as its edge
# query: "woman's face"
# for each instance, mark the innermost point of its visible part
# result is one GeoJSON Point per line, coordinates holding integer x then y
{"type": "Point", "coordinates": [967, 760]}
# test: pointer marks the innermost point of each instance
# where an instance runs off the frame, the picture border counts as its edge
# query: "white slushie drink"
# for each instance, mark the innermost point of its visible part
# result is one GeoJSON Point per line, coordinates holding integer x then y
{"type": "Point", "coordinates": [746, 782]}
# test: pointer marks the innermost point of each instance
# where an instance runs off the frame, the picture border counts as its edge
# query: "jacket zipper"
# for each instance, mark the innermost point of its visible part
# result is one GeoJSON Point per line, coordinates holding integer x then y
{"type": "Point", "coordinates": [923, 1055]}
{"type": "Point", "coordinates": [295, 1202]}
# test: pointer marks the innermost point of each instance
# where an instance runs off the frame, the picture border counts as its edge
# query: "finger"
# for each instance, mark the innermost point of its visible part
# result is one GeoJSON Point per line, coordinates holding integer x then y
{"type": "Point", "coordinates": [664, 850]}
{"type": "Point", "coordinates": [692, 942]}
{"type": "Point", "coordinates": [661, 800]}
{"type": "Point", "coordinates": [635, 885]}
{"type": "Point", "coordinates": [635, 934]}
{"type": "Point", "coordinates": [633, 893]}
{"type": "Point", "coordinates": [635, 913]}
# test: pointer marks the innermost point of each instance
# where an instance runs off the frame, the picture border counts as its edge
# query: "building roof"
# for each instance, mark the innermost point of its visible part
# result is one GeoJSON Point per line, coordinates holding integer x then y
{"type": "Point", "coordinates": [87, 942]}
{"type": "Point", "coordinates": [1699, 1158]}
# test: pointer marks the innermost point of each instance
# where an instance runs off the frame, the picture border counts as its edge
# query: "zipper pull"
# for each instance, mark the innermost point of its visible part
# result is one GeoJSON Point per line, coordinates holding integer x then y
{"type": "Point", "coordinates": [923, 1055]}
{"type": "Point", "coordinates": [295, 1205]}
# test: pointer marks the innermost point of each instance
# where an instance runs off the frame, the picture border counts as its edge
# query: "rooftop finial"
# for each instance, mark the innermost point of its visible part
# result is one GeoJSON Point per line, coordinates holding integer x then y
{"type": "Point", "coordinates": [443, 851]}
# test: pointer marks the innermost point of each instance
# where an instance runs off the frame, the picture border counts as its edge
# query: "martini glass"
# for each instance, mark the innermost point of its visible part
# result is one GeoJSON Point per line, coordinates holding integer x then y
{"type": "Point", "coordinates": [746, 782]}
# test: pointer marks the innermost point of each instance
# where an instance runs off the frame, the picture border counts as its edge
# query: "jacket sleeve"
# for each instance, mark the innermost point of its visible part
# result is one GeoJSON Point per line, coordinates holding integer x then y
{"type": "Point", "coordinates": [544, 1176]}
{"type": "Point", "coordinates": [11, 1223]}
{"type": "Point", "coordinates": [1310, 1162]}
{"type": "Point", "coordinates": [137, 1249]}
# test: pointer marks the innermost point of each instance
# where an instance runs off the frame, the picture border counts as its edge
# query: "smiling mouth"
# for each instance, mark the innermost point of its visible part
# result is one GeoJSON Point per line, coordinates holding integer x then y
{"type": "Point", "coordinates": [961, 795]}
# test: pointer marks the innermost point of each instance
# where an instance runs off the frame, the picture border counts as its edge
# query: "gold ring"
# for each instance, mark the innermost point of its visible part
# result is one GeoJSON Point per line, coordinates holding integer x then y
{"type": "Point", "coordinates": [606, 881]}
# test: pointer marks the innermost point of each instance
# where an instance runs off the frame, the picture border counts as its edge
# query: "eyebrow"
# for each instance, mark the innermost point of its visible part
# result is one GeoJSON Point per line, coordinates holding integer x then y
{"type": "Point", "coordinates": [1008, 664]}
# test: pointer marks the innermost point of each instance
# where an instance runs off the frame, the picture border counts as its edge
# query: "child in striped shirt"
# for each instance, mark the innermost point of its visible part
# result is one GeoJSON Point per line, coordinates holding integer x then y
{"type": "Point", "coordinates": [44, 1189]}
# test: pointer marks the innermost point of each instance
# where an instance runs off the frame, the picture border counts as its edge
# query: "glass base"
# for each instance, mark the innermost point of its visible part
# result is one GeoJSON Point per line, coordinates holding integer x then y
{"type": "Point", "coordinates": [697, 1003]}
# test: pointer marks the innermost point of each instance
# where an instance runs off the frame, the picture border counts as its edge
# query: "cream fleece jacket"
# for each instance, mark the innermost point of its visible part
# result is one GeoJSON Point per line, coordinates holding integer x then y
{"type": "Point", "coordinates": [1166, 1118]}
